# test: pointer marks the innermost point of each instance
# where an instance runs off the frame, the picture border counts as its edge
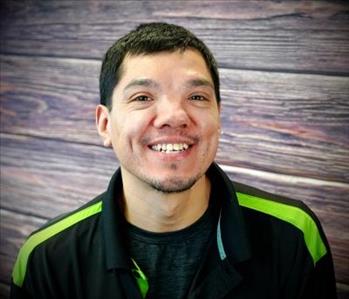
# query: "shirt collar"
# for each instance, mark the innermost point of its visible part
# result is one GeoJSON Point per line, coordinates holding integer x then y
{"type": "Point", "coordinates": [232, 238]}
{"type": "Point", "coordinates": [231, 235]}
{"type": "Point", "coordinates": [113, 223]}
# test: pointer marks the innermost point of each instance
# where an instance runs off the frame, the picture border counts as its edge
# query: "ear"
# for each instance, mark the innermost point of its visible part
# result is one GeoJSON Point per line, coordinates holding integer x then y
{"type": "Point", "coordinates": [103, 124]}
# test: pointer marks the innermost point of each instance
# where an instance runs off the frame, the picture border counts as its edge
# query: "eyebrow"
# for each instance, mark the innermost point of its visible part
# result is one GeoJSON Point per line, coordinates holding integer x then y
{"type": "Point", "coordinates": [199, 82]}
{"type": "Point", "coordinates": [141, 83]}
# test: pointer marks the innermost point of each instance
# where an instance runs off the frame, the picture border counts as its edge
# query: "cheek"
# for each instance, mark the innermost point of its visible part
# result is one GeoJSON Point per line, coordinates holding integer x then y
{"type": "Point", "coordinates": [212, 127]}
{"type": "Point", "coordinates": [214, 134]}
{"type": "Point", "coordinates": [127, 131]}
{"type": "Point", "coordinates": [118, 134]}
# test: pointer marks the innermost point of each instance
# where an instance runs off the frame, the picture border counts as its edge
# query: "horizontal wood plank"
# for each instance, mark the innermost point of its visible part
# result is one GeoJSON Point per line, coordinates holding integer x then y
{"type": "Point", "coordinates": [49, 98]}
{"type": "Point", "coordinates": [342, 291]}
{"type": "Point", "coordinates": [45, 178]}
{"type": "Point", "coordinates": [297, 36]}
{"type": "Point", "coordinates": [54, 177]}
{"type": "Point", "coordinates": [275, 122]}
{"type": "Point", "coordinates": [291, 124]}
{"type": "Point", "coordinates": [15, 228]}
{"type": "Point", "coordinates": [4, 290]}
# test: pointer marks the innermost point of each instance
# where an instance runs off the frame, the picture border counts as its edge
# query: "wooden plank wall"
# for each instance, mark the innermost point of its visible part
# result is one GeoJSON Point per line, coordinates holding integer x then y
{"type": "Point", "coordinates": [284, 69]}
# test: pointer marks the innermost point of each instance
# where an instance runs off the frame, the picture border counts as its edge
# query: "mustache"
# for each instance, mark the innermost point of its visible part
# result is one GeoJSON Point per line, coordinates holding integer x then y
{"type": "Point", "coordinates": [180, 135]}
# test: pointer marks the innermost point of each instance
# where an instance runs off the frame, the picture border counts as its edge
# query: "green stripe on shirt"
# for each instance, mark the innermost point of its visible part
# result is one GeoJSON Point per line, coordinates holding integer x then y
{"type": "Point", "coordinates": [36, 239]}
{"type": "Point", "coordinates": [293, 215]}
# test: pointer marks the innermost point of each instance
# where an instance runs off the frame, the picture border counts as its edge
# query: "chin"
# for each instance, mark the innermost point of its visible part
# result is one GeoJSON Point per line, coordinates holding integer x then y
{"type": "Point", "coordinates": [174, 185]}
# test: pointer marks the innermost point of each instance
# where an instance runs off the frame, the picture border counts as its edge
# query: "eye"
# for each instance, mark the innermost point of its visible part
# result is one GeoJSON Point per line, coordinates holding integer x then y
{"type": "Point", "coordinates": [141, 98]}
{"type": "Point", "coordinates": [197, 98]}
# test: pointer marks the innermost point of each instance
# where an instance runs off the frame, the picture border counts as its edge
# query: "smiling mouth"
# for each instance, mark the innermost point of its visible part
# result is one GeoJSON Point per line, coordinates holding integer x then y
{"type": "Point", "coordinates": [170, 147]}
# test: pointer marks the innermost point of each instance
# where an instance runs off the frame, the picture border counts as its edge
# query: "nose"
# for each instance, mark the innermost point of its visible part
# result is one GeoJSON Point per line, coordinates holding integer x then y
{"type": "Point", "coordinates": [171, 113]}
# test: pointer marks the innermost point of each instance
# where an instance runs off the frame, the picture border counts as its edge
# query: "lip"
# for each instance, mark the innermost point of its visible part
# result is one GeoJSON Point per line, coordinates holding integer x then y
{"type": "Point", "coordinates": [173, 156]}
{"type": "Point", "coordinates": [189, 141]}
{"type": "Point", "coordinates": [170, 157]}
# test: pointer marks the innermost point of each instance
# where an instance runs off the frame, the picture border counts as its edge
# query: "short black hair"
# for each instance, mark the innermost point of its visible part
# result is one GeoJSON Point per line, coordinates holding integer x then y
{"type": "Point", "coordinates": [150, 38]}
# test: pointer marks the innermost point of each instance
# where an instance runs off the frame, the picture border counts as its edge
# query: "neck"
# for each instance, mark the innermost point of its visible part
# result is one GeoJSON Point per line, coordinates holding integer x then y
{"type": "Point", "coordinates": [156, 211]}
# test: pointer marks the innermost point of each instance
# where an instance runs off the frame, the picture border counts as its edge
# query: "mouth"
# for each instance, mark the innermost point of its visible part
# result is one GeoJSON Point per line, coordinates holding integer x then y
{"type": "Point", "coordinates": [170, 148]}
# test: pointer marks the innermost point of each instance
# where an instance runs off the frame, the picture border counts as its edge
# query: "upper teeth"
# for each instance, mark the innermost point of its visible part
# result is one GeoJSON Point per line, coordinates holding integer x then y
{"type": "Point", "coordinates": [171, 147]}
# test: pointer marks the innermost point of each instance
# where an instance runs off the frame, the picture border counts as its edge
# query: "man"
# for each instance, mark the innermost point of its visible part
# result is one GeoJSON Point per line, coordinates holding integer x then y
{"type": "Point", "coordinates": [171, 224]}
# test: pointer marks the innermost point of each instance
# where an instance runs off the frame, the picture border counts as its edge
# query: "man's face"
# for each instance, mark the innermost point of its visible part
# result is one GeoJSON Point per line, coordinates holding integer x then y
{"type": "Point", "coordinates": [164, 124]}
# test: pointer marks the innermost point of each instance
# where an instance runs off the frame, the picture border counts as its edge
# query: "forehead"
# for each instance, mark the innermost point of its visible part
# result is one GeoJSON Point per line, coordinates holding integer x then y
{"type": "Point", "coordinates": [165, 65]}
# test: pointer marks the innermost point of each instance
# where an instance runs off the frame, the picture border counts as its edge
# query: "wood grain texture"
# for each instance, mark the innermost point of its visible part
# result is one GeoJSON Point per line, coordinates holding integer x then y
{"type": "Point", "coordinates": [49, 97]}
{"type": "Point", "coordinates": [297, 36]}
{"type": "Point", "coordinates": [52, 177]}
{"type": "Point", "coordinates": [12, 237]}
{"type": "Point", "coordinates": [4, 290]}
{"type": "Point", "coordinates": [285, 105]}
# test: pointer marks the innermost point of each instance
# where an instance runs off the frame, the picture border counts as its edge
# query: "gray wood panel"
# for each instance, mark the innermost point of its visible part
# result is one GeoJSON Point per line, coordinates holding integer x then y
{"type": "Point", "coordinates": [12, 236]}
{"type": "Point", "coordinates": [52, 177]}
{"type": "Point", "coordinates": [4, 290]}
{"type": "Point", "coordinates": [297, 36]}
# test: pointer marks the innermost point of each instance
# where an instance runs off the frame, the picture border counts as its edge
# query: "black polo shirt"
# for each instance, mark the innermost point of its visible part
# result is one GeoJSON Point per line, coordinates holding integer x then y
{"type": "Point", "coordinates": [265, 247]}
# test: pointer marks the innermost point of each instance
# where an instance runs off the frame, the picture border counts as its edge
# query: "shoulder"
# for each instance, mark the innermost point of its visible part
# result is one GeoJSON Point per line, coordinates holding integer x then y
{"type": "Point", "coordinates": [61, 230]}
{"type": "Point", "coordinates": [292, 218]}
